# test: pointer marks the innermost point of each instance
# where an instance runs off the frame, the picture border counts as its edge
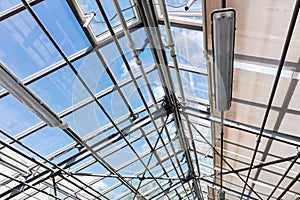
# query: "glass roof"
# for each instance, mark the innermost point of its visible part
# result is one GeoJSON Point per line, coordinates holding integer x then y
{"type": "Point", "coordinates": [95, 104]}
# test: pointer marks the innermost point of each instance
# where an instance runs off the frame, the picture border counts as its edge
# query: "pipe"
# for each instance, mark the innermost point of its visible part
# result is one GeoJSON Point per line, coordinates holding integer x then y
{"type": "Point", "coordinates": [223, 3]}
{"type": "Point", "coordinates": [275, 84]}
{"type": "Point", "coordinates": [131, 44]}
{"type": "Point", "coordinates": [176, 112]}
{"type": "Point", "coordinates": [158, 56]}
{"type": "Point", "coordinates": [139, 63]}
{"type": "Point", "coordinates": [171, 45]}
{"type": "Point", "coordinates": [189, 4]}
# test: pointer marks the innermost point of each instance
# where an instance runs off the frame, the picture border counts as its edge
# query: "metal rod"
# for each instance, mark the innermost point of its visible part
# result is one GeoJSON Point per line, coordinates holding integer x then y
{"type": "Point", "coordinates": [223, 3]}
{"type": "Point", "coordinates": [68, 130]}
{"type": "Point", "coordinates": [157, 48]}
{"type": "Point", "coordinates": [212, 147]}
{"type": "Point", "coordinates": [54, 186]}
{"type": "Point", "coordinates": [139, 63]}
{"type": "Point", "coordinates": [261, 165]}
{"type": "Point", "coordinates": [289, 186]}
{"type": "Point", "coordinates": [38, 155]}
{"type": "Point", "coordinates": [28, 185]}
{"type": "Point", "coordinates": [275, 84]}
{"type": "Point", "coordinates": [222, 142]}
{"type": "Point", "coordinates": [174, 102]}
{"type": "Point", "coordinates": [284, 175]}
{"type": "Point", "coordinates": [195, 153]}
{"type": "Point", "coordinates": [127, 66]}
{"type": "Point", "coordinates": [171, 46]}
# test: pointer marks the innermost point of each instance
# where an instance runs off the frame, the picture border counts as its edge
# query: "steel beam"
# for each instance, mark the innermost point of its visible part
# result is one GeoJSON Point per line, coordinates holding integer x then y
{"type": "Point", "coordinates": [281, 137]}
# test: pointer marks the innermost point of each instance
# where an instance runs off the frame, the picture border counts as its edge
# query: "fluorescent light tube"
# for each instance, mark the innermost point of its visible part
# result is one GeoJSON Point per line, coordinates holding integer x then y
{"type": "Point", "coordinates": [16, 88]}
{"type": "Point", "coordinates": [223, 33]}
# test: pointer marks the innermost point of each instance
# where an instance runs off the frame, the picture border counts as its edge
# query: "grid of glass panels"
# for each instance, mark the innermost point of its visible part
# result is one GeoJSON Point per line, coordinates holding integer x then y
{"type": "Point", "coordinates": [119, 143]}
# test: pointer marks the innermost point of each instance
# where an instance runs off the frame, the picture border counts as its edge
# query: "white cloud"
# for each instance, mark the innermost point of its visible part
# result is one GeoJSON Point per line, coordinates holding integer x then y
{"type": "Point", "coordinates": [133, 66]}
{"type": "Point", "coordinates": [158, 91]}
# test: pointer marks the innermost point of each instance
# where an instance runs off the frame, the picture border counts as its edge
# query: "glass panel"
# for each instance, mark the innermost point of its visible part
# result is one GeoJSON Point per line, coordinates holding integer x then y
{"type": "Point", "coordinates": [15, 117]}
{"type": "Point", "coordinates": [26, 49]}
{"type": "Point", "coordinates": [120, 157]}
{"type": "Point", "coordinates": [4, 5]}
{"type": "Point", "coordinates": [56, 89]}
{"type": "Point", "coordinates": [194, 85]}
{"type": "Point", "coordinates": [86, 119]}
{"type": "Point", "coordinates": [47, 140]}
{"type": "Point", "coordinates": [134, 98]}
{"type": "Point", "coordinates": [116, 192]}
{"type": "Point", "coordinates": [57, 16]}
{"type": "Point", "coordinates": [141, 146]}
{"type": "Point", "coordinates": [132, 169]}
{"type": "Point", "coordinates": [114, 105]}
{"type": "Point", "coordinates": [93, 72]}
{"type": "Point", "coordinates": [188, 45]}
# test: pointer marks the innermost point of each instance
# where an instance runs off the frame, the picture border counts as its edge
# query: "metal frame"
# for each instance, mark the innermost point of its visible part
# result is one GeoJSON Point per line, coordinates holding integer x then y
{"type": "Point", "coordinates": [52, 175]}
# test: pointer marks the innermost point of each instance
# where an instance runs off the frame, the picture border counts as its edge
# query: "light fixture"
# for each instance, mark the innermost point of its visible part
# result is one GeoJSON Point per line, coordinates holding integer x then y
{"type": "Point", "coordinates": [223, 33]}
{"type": "Point", "coordinates": [16, 88]}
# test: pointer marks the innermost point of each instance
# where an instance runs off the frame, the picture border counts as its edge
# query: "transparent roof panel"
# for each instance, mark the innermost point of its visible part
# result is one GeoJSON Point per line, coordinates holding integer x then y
{"type": "Point", "coordinates": [31, 48]}
{"type": "Point", "coordinates": [47, 141]}
{"type": "Point", "coordinates": [128, 130]}
{"type": "Point", "coordinates": [61, 24]}
{"type": "Point", "coordinates": [56, 89]}
{"type": "Point", "coordinates": [15, 117]}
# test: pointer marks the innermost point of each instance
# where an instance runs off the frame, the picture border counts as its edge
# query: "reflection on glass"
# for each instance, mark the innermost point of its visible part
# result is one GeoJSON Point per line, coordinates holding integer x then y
{"type": "Point", "coordinates": [15, 117]}
{"type": "Point", "coordinates": [120, 157]}
{"type": "Point", "coordinates": [56, 89]}
{"type": "Point", "coordinates": [189, 46]}
{"type": "Point", "coordinates": [47, 140]}
{"type": "Point", "coordinates": [57, 16]}
{"type": "Point", "coordinates": [26, 49]}
{"type": "Point", "coordinates": [86, 119]}
{"type": "Point", "coordinates": [5, 5]}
